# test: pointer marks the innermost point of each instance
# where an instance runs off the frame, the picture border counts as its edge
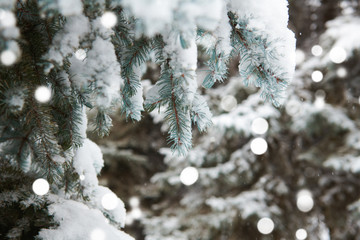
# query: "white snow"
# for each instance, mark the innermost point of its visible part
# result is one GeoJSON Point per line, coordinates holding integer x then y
{"type": "Point", "coordinates": [161, 16]}
{"type": "Point", "coordinates": [156, 15]}
{"type": "Point", "coordinates": [248, 203]}
{"type": "Point", "coordinates": [77, 221]}
{"type": "Point", "coordinates": [88, 161]}
{"type": "Point", "coordinates": [114, 207]}
{"type": "Point", "coordinates": [333, 115]}
{"type": "Point", "coordinates": [271, 13]}
{"type": "Point", "coordinates": [153, 95]}
{"type": "Point", "coordinates": [202, 115]}
{"type": "Point", "coordinates": [184, 64]}
{"type": "Point", "coordinates": [342, 33]}
{"type": "Point", "coordinates": [346, 162]}
{"type": "Point", "coordinates": [222, 33]}
{"type": "Point", "coordinates": [70, 7]}
{"type": "Point", "coordinates": [68, 39]}
{"type": "Point", "coordinates": [102, 66]}
{"type": "Point", "coordinates": [15, 99]}
{"type": "Point", "coordinates": [269, 19]}
{"type": "Point", "coordinates": [242, 116]}
{"type": "Point", "coordinates": [83, 125]}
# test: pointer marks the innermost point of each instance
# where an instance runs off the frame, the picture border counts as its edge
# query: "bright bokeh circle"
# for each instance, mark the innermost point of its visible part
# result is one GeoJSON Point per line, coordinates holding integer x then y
{"type": "Point", "coordinates": [301, 234]}
{"type": "Point", "coordinates": [189, 176]}
{"type": "Point", "coordinates": [265, 225]}
{"type": "Point", "coordinates": [108, 19]}
{"type": "Point", "coordinates": [40, 186]}
{"type": "Point", "coordinates": [258, 146]}
{"type": "Point", "coordinates": [109, 201]}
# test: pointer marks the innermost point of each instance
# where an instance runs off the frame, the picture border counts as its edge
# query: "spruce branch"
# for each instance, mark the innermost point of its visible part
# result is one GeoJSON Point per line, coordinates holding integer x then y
{"type": "Point", "coordinates": [256, 54]}
{"type": "Point", "coordinates": [103, 123]}
{"type": "Point", "coordinates": [132, 57]}
{"type": "Point", "coordinates": [218, 69]}
{"type": "Point", "coordinates": [200, 113]}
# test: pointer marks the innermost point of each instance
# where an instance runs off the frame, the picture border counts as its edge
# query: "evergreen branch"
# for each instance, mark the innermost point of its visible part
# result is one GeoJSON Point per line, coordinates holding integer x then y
{"type": "Point", "coordinates": [67, 112]}
{"type": "Point", "coordinates": [132, 107]}
{"type": "Point", "coordinates": [43, 141]}
{"type": "Point", "coordinates": [256, 54]}
{"type": "Point", "coordinates": [180, 124]}
{"type": "Point", "coordinates": [200, 113]}
{"type": "Point", "coordinates": [123, 35]}
{"type": "Point", "coordinates": [176, 114]}
{"type": "Point", "coordinates": [23, 155]}
{"type": "Point", "coordinates": [103, 123]}
{"type": "Point", "coordinates": [133, 57]}
{"type": "Point", "coordinates": [217, 67]}
{"type": "Point", "coordinates": [158, 45]}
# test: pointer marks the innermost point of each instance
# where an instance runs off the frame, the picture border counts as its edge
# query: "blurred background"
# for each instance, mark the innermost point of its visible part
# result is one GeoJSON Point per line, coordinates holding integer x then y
{"type": "Point", "coordinates": [260, 172]}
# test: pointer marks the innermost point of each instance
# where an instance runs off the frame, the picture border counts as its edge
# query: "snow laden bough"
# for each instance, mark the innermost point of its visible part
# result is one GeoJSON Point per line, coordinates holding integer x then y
{"type": "Point", "coordinates": [169, 34]}
{"type": "Point", "coordinates": [60, 58]}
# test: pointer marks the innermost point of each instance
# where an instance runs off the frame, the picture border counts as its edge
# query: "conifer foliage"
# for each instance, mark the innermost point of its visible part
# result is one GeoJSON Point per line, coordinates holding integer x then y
{"type": "Point", "coordinates": [62, 58]}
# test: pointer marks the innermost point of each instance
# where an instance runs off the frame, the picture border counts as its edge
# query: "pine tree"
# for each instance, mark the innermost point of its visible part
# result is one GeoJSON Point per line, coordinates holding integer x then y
{"type": "Point", "coordinates": [305, 177]}
{"type": "Point", "coordinates": [61, 59]}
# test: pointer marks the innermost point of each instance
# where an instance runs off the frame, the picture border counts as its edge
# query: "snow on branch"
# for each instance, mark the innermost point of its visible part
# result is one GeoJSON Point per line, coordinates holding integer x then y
{"type": "Point", "coordinates": [93, 55]}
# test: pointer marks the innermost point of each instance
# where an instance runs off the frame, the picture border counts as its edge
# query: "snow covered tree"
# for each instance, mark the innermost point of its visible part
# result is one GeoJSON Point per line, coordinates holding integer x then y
{"type": "Point", "coordinates": [61, 59]}
{"type": "Point", "coordinates": [297, 165]}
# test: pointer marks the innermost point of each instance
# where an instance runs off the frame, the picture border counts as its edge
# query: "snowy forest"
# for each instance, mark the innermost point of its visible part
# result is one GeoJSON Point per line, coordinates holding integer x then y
{"type": "Point", "coordinates": [180, 120]}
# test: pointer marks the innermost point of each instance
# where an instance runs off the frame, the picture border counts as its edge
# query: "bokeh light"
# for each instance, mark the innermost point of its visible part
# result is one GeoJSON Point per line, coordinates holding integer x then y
{"type": "Point", "coordinates": [43, 94]}
{"type": "Point", "coordinates": [136, 213]}
{"type": "Point", "coordinates": [317, 76]}
{"type": "Point", "coordinates": [228, 103]}
{"type": "Point", "coordinates": [134, 202]}
{"type": "Point", "coordinates": [319, 102]}
{"type": "Point", "coordinates": [129, 219]}
{"type": "Point", "coordinates": [337, 55]}
{"type": "Point", "coordinates": [108, 19]}
{"type": "Point", "coordinates": [341, 72]}
{"type": "Point", "coordinates": [8, 57]}
{"type": "Point", "coordinates": [189, 176]}
{"type": "Point", "coordinates": [109, 201]}
{"type": "Point", "coordinates": [40, 186]}
{"type": "Point", "coordinates": [316, 50]}
{"type": "Point", "coordinates": [265, 225]}
{"type": "Point", "coordinates": [7, 19]}
{"type": "Point", "coordinates": [259, 126]}
{"type": "Point", "coordinates": [80, 54]}
{"type": "Point", "coordinates": [301, 234]}
{"type": "Point", "coordinates": [320, 99]}
{"type": "Point", "coordinates": [258, 146]}
{"type": "Point", "coordinates": [304, 201]}
{"type": "Point", "coordinates": [292, 107]}
{"type": "Point", "coordinates": [82, 177]}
